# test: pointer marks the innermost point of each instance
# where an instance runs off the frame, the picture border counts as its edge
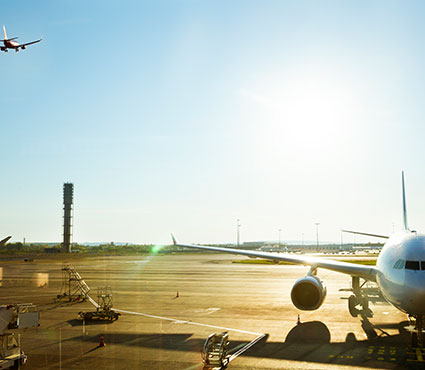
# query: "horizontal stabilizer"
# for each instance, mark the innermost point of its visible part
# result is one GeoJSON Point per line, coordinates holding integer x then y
{"type": "Point", "coordinates": [367, 234]}
{"type": "Point", "coordinates": [4, 241]}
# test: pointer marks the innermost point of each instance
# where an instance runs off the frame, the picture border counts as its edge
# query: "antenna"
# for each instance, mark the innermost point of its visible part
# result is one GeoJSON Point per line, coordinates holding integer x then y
{"type": "Point", "coordinates": [404, 202]}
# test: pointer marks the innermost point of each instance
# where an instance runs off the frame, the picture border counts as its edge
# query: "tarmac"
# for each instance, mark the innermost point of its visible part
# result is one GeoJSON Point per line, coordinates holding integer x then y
{"type": "Point", "coordinates": [170, 304]}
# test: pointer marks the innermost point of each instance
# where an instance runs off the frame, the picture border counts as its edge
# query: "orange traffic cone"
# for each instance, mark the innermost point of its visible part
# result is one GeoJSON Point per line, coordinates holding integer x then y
{"type": "Point", "coordinates": [102, 341]}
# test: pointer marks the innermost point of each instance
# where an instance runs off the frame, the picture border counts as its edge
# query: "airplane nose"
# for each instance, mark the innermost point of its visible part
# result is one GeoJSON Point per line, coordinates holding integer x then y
{"type": "Point", "coordinates": [415, 294]}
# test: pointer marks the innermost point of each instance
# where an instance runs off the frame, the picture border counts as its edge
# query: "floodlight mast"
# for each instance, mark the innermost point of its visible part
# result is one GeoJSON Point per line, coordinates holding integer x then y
{"type": "Point", "coordinates": [238, 225]}
{"type": "Point", "coordinates": [317, 235]}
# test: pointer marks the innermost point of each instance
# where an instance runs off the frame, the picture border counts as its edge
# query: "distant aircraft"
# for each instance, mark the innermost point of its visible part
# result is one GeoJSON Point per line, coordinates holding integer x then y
{"type": "Point", "coordinates": [4, 241]}
{"type": "Point", "coordinates": [399, 274]}
{"type": "Point", "coordinates": [10, 44]}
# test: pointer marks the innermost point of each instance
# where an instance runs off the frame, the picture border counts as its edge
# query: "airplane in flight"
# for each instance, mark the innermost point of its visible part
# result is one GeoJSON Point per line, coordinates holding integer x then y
{"type": "Point", "coordinates": [399, 273]}
{"type": "Point", "coordinates": [4, 241]}
{"type": "Point", "coordinates": [11, 44]}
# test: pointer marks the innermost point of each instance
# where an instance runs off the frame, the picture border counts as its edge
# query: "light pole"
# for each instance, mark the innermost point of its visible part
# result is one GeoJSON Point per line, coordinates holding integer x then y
{"type": "Point", "coordinates": [317, 234]}
{"type": "Point", "coordinates": [238, 225]}
{"type": "Point", "coordinates": [280, 230]}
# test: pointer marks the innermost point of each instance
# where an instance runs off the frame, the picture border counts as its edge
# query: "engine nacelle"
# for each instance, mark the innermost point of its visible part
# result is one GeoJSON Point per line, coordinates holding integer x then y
{"type": "Point", "coordinates": [308, 293]}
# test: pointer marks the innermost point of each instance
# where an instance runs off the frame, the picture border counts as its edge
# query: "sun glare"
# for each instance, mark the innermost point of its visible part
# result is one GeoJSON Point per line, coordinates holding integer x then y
{"type": "Point", "coordinates": [311, 116]}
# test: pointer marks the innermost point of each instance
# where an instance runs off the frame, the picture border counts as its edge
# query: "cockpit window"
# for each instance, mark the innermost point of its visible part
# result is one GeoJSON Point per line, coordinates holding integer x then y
{"type": "Point", "coordinates": [412, 265]}
{"type": "Point", "coordinates": [399, 265]}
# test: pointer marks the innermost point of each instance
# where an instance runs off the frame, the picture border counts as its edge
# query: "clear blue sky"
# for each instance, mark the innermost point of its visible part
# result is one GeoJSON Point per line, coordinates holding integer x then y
{"type": "Point", "coordinates": [186, 115]}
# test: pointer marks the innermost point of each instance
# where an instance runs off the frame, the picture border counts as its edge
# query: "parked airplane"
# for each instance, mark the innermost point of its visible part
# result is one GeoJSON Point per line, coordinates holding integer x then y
{"type": "Point", "coordinates": [4, 241]}
{"type": "Point", "coordinates": [399, 274]}
{"type": "Point", "coordinates": [10, 44]}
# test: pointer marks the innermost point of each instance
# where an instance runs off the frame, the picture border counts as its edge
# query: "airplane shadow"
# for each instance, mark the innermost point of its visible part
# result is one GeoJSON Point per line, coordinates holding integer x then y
{"type": "Point", "coordinates": [79, 322]}
{"type": "Point", "coordinates": [309, 341]}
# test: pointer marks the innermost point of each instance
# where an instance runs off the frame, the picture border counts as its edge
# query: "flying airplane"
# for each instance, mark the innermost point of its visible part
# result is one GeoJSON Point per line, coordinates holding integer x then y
{"type": "Point", "coordinates": [10, 44]}
{"type": "Point", "coordinates": [399, 273]}
{"type": "Point", "coordinates": [4, 241]}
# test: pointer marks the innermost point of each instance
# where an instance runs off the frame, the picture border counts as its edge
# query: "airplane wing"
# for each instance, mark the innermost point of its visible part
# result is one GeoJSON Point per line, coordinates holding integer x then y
{"type": "Point", "coordinates": [353, 269]}
{"type": "Point", "coordinates": [4, 241]}
{"type": "Point", "coordinates": [29, 43]}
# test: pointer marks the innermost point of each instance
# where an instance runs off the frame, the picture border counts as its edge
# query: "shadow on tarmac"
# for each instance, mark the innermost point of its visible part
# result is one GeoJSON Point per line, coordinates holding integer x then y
{"type": "Point", "coordinates": [308, 342]}
{"type": "Point", "coordinates": [79, 322]}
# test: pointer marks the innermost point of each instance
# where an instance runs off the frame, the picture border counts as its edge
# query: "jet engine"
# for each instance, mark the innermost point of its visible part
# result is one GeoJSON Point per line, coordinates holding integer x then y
{"type": "Point", "coordinates": [308, 293]}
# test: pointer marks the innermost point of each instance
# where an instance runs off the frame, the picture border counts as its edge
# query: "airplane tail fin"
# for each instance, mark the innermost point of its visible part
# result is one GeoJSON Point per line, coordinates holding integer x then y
{"type": "Point", "coordinates": [4, 241]}
{"type": "Point", "coordinates": [4, 32]}
{"type": "Point", "coordinates": [406, 227]}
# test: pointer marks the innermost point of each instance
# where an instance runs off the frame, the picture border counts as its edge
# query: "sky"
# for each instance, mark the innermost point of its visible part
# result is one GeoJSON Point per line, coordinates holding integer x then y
{"type": "Point", "coordinates": [184, 116]}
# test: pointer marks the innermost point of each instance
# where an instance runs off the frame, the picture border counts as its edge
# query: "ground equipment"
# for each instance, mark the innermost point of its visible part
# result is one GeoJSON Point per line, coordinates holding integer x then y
{"type": "Point", "coordinates": [73, 285]}
{"type": "Point", "coordinates": [214, 351]}
{"type": "Point", "coordinates": [12, 318]}
{"type": "Point", "coordinates": [104, 309]}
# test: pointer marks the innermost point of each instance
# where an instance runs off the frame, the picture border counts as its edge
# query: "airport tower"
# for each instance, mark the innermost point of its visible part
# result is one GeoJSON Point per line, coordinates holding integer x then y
{"type": "Point", "coordinates": [68, 195]}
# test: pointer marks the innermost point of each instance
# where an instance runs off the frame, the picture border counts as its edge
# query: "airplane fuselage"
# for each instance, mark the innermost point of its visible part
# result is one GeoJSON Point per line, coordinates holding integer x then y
{"type": "Point", "coordinates": [11, 44]}
{"type": "Point", "coordinates": [401, 272]}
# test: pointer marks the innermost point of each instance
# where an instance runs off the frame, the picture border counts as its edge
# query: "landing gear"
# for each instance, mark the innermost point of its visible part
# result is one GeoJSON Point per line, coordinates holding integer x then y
{"type": "Point", "coordinates": [417, 331]}
{"type": "Point", "coordinates": [358, 299]}
{"type": "Point", "coordinates": [352, 303]}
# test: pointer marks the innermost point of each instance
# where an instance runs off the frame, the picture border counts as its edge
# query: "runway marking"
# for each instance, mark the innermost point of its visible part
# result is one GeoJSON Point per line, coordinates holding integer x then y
{"type": "Point", "coordinates": [177, 321]}
{"type": "Point", "coordinates": [419, 355]}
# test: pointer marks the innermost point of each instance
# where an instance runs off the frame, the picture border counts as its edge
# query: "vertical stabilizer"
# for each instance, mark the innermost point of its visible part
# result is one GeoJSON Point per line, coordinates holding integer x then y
{"type": "Point", "coordinates": [406, 227]}
{"type": "Point", "coordinates": [4, 32]}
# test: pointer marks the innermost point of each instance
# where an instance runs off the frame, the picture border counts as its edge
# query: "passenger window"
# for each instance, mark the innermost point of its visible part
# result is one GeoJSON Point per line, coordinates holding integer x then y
{"type": "Point", "coordinates": [422, 265]}
{"type": "Point", "coordinates": [412, 265]}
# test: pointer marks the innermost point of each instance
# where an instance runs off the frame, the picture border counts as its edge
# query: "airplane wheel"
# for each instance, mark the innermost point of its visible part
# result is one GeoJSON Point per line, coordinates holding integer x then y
{"type": "Point", "coordinates": [352, 303]}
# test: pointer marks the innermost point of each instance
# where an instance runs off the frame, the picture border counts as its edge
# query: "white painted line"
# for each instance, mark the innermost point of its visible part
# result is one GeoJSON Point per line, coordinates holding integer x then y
{"type": "Point", "coordinates": [176, 321]}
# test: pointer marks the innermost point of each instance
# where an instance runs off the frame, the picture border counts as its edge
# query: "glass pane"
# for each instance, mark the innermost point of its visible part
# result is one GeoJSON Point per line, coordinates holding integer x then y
{"type": "Point", "coordinates": [412, 265]}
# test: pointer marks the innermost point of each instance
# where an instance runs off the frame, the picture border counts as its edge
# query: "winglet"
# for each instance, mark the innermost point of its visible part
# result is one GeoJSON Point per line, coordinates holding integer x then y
{"type": "Point", "coordinates": [174, 239]}
{"type": "Point", "coordinates": [4, 32]}
{"type": "Point", "coordinates": [406, 227]}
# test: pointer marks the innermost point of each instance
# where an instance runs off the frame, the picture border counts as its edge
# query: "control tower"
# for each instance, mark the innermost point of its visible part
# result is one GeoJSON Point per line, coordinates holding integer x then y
{"type": "Point", "coordinates": [68, 196]}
